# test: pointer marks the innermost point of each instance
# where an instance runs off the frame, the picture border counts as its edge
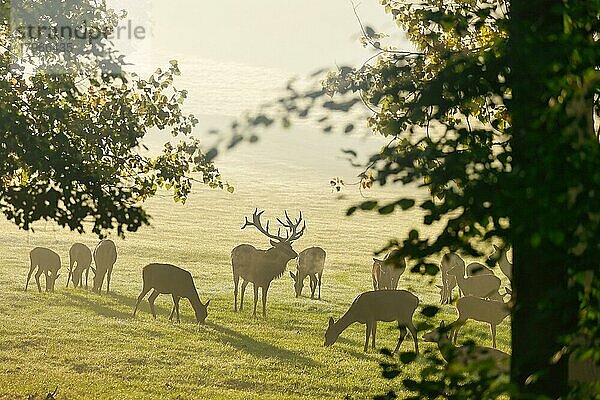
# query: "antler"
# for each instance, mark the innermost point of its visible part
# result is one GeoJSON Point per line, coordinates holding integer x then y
{"type": "Point", "coordinates": [258, 225]}
{"type": "Point", "coordinates": [292, 227]}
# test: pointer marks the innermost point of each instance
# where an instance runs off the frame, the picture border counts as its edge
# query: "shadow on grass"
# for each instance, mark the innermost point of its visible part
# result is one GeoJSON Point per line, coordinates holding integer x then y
{"type": "Point", "coordinates": [81, 299]}
{"type": "Point", "coordinates": [258, 349]}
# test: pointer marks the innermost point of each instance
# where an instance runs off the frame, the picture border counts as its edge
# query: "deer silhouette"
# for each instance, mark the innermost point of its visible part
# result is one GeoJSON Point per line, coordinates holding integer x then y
{"type": "Point", "coordinates": [80, 257]}
{"type": "Point", "coordinates": [499, 256]}
{"type": "Point", "coordinates": [311, 262]}
{"type": "Point", "coordinates": [467, 354]}
{"type": "Point", "coordinates": [491, 311]}
{"type": "Point", "coordinates": [169, 279]}
{"type": "Point", "coordinates": [450, 261]}
{"type": "Point", "coordinates": [262, 266]}
{"type": "Point", "coordinates": [386, 273]}
{"type": "Point", "coordinates": [47, 262]}
{"type": "Point", "coordinates": [380, 305]}
{"type": "Point", "coordinates": [484, 285]}
{"type": "Point", "coordinates": [105, 256]}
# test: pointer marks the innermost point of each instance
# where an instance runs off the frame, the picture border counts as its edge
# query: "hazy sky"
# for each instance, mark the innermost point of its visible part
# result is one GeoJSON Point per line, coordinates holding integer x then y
{"type": "Point", "coordinates": [296, 36]}
{"type": "Point", "coordinates": [236, 55]}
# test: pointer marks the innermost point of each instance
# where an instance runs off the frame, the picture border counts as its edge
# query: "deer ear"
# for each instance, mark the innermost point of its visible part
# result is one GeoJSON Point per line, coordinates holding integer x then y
{"type": "Point", "coordinates": [331, 321]}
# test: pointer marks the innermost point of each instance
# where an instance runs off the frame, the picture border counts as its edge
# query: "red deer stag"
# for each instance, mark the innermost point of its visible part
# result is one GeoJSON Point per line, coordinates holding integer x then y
{"type": "Point", "coordinates": [80, 257]}
{"type": "Point", "coordinates": [262, 266]}
{"type": "Point", "coordinates": [380, 305]}
{"type": "Point", "coordinates": [47, 262]}
{"type": "Point", "coordinates": [386, 273]}
{"type": "Point", "coordinates": [105, 256]}
{"type": "Point", "coordinates": [169, 279]}
{"type": "Point", "coordinates": [311, 262]}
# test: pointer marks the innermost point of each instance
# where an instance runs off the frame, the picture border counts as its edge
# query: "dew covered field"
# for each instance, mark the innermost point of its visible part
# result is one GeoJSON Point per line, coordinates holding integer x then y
{"type": "Point", "coordinates": [90, 346]}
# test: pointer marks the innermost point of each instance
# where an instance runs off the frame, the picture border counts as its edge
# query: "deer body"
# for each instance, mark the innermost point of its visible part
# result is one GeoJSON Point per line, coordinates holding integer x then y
{"type": "Point", "coordinates": [169, 279]}
{"type": "Point", "coordinates": [386, 273]}
{"type": "Point", "coordinates": [483, 286]}
{"type": "Point", "coordinates": [499, 255]}
{"type": "Point", "coordinates": [80, 257]}
{"type": "Point", "coordinates": [262, 266]}
{"type": "Point", "coordinates": [380, 305]}
{"type": "Point", "coordinates": [311, 262]}
{"type": "Point", "coordinates": [483, 310]}
{"type": "Point", "coordinates": [105, 256]}
{"type": "Point", "coordinates": [466, 355]}
{"type": "Point", "coordinates": [449, 261]}
{"type": "Point", "coordinates": [47, 262]}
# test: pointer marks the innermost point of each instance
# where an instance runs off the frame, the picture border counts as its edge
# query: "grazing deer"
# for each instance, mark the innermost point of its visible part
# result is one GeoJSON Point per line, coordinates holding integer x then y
{"type": "Point", "coordinates": [499, 256]}
{"type": "Point", "coordinates": [47, 262]}
{"type": "Point", "coordinates": [466, 355]}
{"type": "Point", "coordinates": [80, 255]}
{"type": "Point", "coordinates": [491, 311]}
{"type": "Point", "coordinates": [105, 256]}
{"type": "Point", "coordinates": [380, 305]}
{"type": "Point", "coordinates": [311, 262]}
{"type": "Point", "coordinates": [169, 279]}
{"type": "Point", "coordinates": [386, 273]}
{"type": "Point", "coordinates": [262, 266]}
{"type": "Point", "coordinates": [449, 261]}
{"type": "Point", "coordinates": [483, 286]}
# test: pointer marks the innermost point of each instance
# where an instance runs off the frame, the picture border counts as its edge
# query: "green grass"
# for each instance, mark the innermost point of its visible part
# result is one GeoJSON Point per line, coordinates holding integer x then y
{"type": "Point", "coordinates": [91, 347]}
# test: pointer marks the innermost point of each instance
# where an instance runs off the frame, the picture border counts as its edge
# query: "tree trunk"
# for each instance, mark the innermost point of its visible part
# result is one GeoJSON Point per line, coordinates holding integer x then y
{"type": "Point", "coordinates": [545, 309]}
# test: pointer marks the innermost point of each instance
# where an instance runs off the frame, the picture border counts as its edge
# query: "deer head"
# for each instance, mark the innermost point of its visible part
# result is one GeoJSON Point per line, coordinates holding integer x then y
{"type": "Point", "coordinates": [332, 334]}
{"type": "Point", "coordinates": [279, 242]}
{"type": "Point", "coordinates": [202, 312]}
{"type": "Point", "coordinates": [298, 283]}
{"type": "Point", "coordinates": [51, 277]}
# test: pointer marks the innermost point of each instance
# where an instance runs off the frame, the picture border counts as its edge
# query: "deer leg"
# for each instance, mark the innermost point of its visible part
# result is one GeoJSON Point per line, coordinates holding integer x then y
{"type": "Point", "coordinates": [413, 333]}
{"type": "Point", "coordinates": [401, 336]}
{"type": "Point", "coordinates": [29, 277]}
{"type": "Point", "coordinates": [255, 287]}
{"type": "Point", "coordinates": [236, 281]}
{"type": "Point", "coordinates": [265, 289]}
{"type": "Point", "coordinates": [313, 286]}
{"type": "Point", "coordinates": [454, 330]}
{"type": "Point", "coordinates": [87, 272]}
{"type": "Point", "coordinates": [151, 299]}
{"type": "Point", "coordinates": [319, 276]}
{"type": "Point", "coordinates": [37, 279]}
{"type": "Point", "coordinates": [493, 329]}
{"type": "Point", "coordinates": [109, 273]}
{"type": "Point", "coordinates": [244, 284]}
{"type": "Point", "coordinates": [373, 332]}
{"type": "Point", "coordinates": [69, 276]}
{"type": "Point", "coordinates": [140, 297]}
{"type": "Point", "coordinates": [367, 334]}
{"type": "Point", "coordinates": [174, 309]}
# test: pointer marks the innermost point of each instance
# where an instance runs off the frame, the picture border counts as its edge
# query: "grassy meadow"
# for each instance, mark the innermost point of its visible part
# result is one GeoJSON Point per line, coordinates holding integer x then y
{"type": "Point", "coordinates": [90, 346]}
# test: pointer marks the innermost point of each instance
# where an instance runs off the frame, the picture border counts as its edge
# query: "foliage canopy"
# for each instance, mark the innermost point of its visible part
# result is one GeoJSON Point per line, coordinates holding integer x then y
{"type": "Point", "coordinates": [72, 142]}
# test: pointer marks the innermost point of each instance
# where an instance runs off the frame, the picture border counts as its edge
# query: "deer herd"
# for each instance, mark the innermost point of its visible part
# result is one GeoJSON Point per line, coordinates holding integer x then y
{"type": "Point", "coordinates": [478, 287]}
